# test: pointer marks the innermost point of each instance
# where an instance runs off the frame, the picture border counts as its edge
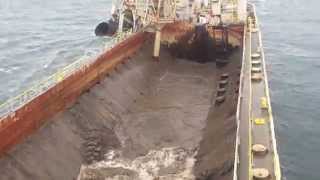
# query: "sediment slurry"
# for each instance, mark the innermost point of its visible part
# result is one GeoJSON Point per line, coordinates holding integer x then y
{"type": "Point", "coordinates": [165, 164]}
{"type": "Point", "coordinates": [146, 119]}
{"type": "Point", "coordinates": [215, 157]}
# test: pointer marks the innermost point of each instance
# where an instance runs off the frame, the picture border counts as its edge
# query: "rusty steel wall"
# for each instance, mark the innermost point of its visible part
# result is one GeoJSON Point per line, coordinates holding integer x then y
{"type": "Point", "coordinates": [31, 116]}
{"type": "Point", "coordinates": [172, 33]}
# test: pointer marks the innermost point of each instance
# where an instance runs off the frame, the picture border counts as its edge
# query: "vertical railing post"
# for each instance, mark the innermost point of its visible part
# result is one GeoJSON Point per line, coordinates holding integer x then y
{"type": "Point", "coordinates": [11, 105]}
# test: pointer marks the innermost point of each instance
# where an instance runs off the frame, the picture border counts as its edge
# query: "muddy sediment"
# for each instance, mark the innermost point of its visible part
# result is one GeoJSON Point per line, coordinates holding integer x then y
{"type": "Point", "coordinates": [146, 120]}
{"type": "Point", "coordinates": [215, 158]}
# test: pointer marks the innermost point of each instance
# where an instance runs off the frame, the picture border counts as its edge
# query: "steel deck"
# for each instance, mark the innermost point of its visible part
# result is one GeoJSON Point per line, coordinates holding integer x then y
{"type": "Point", "coordinates": [255, 115]}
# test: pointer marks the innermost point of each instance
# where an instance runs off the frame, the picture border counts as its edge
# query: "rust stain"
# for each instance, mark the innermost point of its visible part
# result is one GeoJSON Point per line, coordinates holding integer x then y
{"type": "Point", "coordinates": [29, 118]}
{"type": "Point", "coordinates": [175, 31]}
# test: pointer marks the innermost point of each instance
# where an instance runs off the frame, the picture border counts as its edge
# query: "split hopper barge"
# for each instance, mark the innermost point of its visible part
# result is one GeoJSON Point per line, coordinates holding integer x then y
{"type": "Point", "coordinates": [178, 100]}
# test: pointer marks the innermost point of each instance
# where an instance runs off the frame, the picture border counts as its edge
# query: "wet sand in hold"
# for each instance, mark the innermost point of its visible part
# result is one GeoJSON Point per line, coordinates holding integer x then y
{"type": "Point", "coordinates": [145, 110]}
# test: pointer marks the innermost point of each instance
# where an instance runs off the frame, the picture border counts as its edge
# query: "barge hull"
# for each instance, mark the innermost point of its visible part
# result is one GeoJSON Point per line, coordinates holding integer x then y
{"type": "Point", "coordinates": [128, 104]}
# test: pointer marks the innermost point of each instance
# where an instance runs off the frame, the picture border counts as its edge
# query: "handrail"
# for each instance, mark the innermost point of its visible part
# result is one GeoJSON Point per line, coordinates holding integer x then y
{"type": "Point", "coordinates": [11, 105]}
{"type": "Point", "coordinates": [276, 161]}
{"type": "Point", "coordinates": [237, 144]}
{"type": "Point", "coordinates": [250, 101]}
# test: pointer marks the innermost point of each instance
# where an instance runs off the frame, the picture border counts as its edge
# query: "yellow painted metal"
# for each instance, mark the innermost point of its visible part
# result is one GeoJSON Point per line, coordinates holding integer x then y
{"type": "Point", "coordinates": [259, 121]}
{"type": "Point", "coordinates": [277, 169]}
{"type": "Point", "coordinates": [264, 103]}
{"type": "Point", "coordinates": [59, 76]}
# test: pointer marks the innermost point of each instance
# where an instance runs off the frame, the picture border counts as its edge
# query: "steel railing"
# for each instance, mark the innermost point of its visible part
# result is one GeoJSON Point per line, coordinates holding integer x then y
{"type": "Point", "coordinates": [237, 143]}
{"type": "Point", "coordinates": [11, 105]}
{"type": "Point", "coordinates": [276, 161]}
{"type": "Point", "coordinates": [277, 169]}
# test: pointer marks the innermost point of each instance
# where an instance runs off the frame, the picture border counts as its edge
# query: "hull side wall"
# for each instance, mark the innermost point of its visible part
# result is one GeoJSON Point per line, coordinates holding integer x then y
{"type": "Point", "coordinates": [30, 117]}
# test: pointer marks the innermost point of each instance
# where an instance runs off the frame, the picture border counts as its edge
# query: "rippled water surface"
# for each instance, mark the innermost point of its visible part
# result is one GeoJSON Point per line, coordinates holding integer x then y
{"type": "Point", "coordinates": [37, 37]}
{"type": "Point", "coordinates": [291, 30]}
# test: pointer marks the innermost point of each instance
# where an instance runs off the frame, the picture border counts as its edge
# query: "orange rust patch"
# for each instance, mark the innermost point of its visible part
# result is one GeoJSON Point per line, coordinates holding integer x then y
{"type": "Point", "coordinates": [31, 116]}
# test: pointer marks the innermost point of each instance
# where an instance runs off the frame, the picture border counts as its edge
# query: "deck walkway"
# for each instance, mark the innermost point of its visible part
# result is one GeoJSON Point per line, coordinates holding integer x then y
{"type": "Point", "coordinates": [245, 114]}
{"type": "Point", "coordinates": [258, 157]}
